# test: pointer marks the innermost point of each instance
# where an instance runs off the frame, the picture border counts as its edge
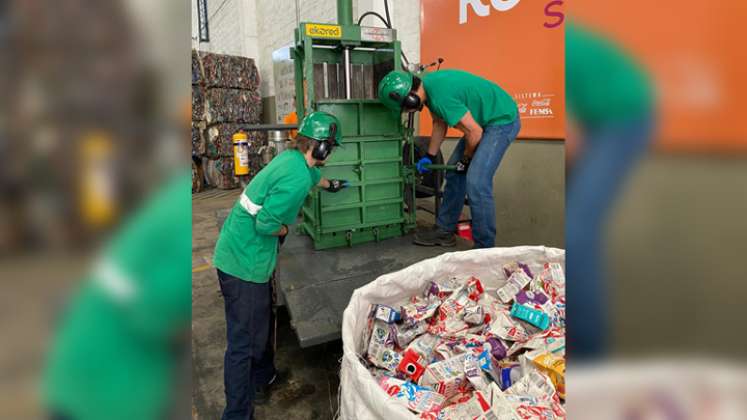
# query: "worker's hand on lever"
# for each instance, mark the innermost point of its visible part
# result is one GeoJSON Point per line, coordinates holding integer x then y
{"type": "Point", "coordinates": [422, 165]}
{"type": "Point", "coordinates": [463, 165]}
{"type": "Point", "coordinates": [336, 185]}
{"type": "Point", "coordinates": [282, 234]}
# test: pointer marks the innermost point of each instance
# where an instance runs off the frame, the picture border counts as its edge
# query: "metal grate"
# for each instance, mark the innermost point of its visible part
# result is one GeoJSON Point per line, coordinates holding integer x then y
{"type": "Point", "coordinates": [202, 20]}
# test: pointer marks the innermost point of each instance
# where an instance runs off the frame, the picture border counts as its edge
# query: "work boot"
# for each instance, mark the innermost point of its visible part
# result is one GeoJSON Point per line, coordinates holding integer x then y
{"type": "Point", "coordinates": [434, 236]}
{"type": "Point", "coordinates": [262, 393]}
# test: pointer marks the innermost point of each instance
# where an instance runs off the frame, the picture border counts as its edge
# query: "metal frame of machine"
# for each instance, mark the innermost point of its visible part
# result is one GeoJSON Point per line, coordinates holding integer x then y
{"type": "Point", "coordinates": [338, 67]}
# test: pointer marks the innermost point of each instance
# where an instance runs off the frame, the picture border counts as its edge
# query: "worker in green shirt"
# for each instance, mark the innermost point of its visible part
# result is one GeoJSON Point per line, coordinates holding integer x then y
{"type": "Point", "coordinates": [612, 104]}
{"type": "Point", "coordinates": [488, 118]}
{"type": "Point", "coordinates": [114, 353]}
{"type": "Point", "coordinates": [246, 252]}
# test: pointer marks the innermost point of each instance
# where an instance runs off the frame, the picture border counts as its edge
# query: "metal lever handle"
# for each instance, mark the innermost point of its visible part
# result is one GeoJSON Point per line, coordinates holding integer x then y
{"type": "Point", "coordinates": [437, 167]}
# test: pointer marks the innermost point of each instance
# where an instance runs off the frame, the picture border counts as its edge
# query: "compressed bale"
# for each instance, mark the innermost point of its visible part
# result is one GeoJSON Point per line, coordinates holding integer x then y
{"type": "Point", "coordinates": [198, 103]}
{"type": "Point", "coordinates": [197, 76]}
{"type": "Point", "coordinates": [219, 173]}
{"type": "Point", "coordinates": [198, 140]}
{"type": "Point", "coordinates": [232, 105]}
{"type": "Point", "coordinates": [229, 71]}
{"type": "Point", "coordinates": [198, 177]}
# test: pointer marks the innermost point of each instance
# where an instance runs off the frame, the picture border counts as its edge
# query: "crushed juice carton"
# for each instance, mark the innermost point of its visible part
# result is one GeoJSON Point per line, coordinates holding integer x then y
{"type": "Point", "coordinates": [515, 283]}
{"type": "Point", "coordinates": [414, 397]}
{"type": "Point", "coordinates": [474, 289]}
{"type": "Point", "coordinates": [474, 373]}
{"type": "Point", "coordinates": [424, 346]}
{"type": "Point", "coordinates": [473, 313]}
{"type": "Point", "coordinates": [552, 365]}
{"type": "Point", "coordinates": [496, 347]}
{"type": "Point", "coordinates": [411, 365]}
{"type": "Point", "coordinates": [474, 407]}
{"type": "Point", "coordinates": [509, 375]}
{"type": "Point", "coordinates": [387, 314]}
{"type": "Point", "coordinates": [510, 268]}
{"type": "Point", "coordinates": [533, 316]}
{"type": "Point", "coordinates": [534, 384]}
{"type": "Point", "coordinates": [404, 333]}
{"type": "Point", "coordinates": [500, 407]}
{"type": "Point", "coordinates": [528, 297]}
{"type": "Point", "coordinates": [419, 311]}
{"type": "Point", "coordinates": [506, 328]}
{"type": "Point", "coordinates": [441, 289]}
{"type": "Point", "coordinates": [385, 358]}
{"type": "Point", "coordinates": [446, 376]}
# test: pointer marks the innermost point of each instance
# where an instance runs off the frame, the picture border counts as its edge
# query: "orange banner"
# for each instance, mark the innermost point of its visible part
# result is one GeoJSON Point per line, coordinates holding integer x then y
{"type": "Point", "coordinates": [518, 44]}
{"type": "Point", "coordinates": [695, 54]}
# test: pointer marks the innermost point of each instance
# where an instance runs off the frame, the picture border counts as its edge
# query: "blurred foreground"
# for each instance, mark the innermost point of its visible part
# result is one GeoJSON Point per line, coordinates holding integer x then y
{"type": "Point", "coordinates": [93, 124]}
{"type": "Point", "coordinates": [667, 229]}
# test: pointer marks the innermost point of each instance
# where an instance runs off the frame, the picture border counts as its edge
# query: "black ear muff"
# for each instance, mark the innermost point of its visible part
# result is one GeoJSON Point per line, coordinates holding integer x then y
{"type": "Point", "coordinates": [321, 150]}
{"type": "Point", "coordinates": [411, 101]}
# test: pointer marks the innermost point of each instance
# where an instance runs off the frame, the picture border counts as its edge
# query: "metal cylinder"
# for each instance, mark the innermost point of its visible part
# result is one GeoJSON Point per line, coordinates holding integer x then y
{"type": "Point", "coordinates": [345, 12]}
{"type": "Point", "coordinates": [346, 64]}
{"type": "Point", "coordinates": [278, 139]}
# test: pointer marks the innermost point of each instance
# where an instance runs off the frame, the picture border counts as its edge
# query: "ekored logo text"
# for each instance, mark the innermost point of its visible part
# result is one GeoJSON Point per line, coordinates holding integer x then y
{"type": "Point", "coordinates": [555, 17]}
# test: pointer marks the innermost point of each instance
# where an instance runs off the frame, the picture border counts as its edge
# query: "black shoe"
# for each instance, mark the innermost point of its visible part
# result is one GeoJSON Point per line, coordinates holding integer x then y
{"type": "Point", "coordinates": [434, 237]}
{"type": "Point", "coordinates": [262, 393]}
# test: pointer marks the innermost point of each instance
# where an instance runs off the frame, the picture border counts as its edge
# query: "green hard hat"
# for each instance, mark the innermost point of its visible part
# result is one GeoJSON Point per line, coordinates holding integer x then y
{"type": "Point", "coordinates": [321, 126]}
{"type": "Point", "coordinates": [398, 82]}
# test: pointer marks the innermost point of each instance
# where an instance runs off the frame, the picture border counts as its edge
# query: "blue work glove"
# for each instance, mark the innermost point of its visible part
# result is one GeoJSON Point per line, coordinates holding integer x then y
{"type": "Point", "coordinates": [426, 160]}
{"type": "Point", "coordinates": [337, 184]}
{"type": "Point", "coordinates": [463, 165]}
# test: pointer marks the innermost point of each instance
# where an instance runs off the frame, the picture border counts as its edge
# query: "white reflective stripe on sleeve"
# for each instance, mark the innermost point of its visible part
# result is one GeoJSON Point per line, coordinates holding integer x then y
{"type": "Point", "coordinates": [113, 281]}
{"type": "Point", "coordinates": [249, 206]}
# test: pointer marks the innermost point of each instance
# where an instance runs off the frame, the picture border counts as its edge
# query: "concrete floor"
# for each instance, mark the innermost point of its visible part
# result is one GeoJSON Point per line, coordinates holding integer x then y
{"type": "Point", "coordinates": [311, 391]}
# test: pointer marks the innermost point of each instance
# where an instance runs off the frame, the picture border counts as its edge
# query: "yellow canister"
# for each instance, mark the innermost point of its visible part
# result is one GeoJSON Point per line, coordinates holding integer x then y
{"type": "Point", "coordinates": [241, 153]}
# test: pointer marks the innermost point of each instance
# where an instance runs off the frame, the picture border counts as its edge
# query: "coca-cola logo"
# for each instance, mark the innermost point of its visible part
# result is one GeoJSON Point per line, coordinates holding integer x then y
{"type": "Point", "coordinates": [482, 8]}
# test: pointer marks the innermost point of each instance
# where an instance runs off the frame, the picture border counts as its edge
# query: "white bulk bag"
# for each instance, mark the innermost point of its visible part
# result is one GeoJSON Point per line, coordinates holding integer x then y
{"type": "Point", "coordinates": [360, 396]}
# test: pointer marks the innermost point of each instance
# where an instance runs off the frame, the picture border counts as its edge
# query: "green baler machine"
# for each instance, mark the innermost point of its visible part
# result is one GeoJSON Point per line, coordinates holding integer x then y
{"type": "Point", "coordinates": [337, 70]}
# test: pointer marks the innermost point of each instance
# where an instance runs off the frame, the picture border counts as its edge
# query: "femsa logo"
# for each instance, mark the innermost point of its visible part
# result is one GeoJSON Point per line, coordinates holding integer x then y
{"type": "Point", "coordinates": [482, 9]}
{"type": "Point", "coordinates": [540, 112]}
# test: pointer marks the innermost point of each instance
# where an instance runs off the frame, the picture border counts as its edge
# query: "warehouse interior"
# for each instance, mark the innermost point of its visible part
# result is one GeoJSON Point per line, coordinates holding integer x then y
{"type": "Point", "coordinates": [528, 189]}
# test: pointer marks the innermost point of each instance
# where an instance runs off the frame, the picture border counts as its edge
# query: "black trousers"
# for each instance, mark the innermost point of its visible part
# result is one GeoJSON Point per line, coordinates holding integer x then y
{"type": "Point", "coordinates": [249, 359]}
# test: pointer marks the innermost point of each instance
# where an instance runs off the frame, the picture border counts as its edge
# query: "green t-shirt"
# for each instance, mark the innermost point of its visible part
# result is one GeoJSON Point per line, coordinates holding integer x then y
{"type": "Point", "coordinates": [112, 355]}
{"type": "Point", "coordinates": [603, 83]}
{"type": "Point", "coordinates": [451, 93]}
{"type": "Point", "coordinates": [246, 247]}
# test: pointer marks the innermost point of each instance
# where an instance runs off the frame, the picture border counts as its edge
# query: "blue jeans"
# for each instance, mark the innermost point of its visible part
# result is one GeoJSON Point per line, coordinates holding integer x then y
{"type": "Point", "coordinates": [477, 184]}
{"type": "Point", "coordinates": [595, 181]}
{"type": "Point", "coordinates": [248, 360]}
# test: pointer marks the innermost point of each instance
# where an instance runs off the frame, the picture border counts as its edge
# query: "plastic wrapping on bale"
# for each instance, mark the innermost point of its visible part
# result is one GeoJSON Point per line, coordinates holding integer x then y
{"type": "Point", "coordinates": [219, 173]}
{"type": "Point", "coordinates": [196, 70]}
{"type": "Point", "coordinates": [198, 141]}
{"type": "Point", "coordinates": [198, 103]}
{"type": "Point", "coordinates": [232, 105]}
{"type": "Point", "coordinates": [229, 71]}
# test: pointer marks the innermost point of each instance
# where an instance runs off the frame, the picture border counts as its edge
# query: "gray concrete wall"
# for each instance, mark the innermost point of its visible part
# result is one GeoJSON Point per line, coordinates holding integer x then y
{"type": "Point", "coordinates": [529, 191]}
{"type": "Point", "coordinates": [675, 252]}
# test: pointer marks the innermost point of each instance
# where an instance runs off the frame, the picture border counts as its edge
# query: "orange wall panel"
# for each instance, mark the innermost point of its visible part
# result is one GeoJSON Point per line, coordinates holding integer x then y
{"type": "Point", "coordinates": [519, 45]}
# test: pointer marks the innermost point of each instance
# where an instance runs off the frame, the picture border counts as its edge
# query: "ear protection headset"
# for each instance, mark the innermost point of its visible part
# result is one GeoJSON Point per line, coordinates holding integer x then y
{"type": "Point", "coordinates": [323, 148]}
{"type": "Point", "coordinates": [411, 100]}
